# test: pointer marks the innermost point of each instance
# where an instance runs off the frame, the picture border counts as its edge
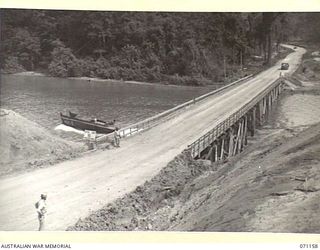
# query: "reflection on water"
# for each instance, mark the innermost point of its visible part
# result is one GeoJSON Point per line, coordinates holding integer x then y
{"type": "Point", "coordinates": [299, 110]}
{"type": "Point", "coordinates": [42, 98]}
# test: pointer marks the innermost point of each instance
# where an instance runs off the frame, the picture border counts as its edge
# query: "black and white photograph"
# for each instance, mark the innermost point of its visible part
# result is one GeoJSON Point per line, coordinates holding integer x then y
{"type": "Point", "coordinates": [159, 121]}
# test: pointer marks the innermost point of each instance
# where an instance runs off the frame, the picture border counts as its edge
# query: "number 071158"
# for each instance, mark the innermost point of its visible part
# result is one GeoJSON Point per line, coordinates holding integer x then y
{"type": "Point", "coordinates": [309, 246]}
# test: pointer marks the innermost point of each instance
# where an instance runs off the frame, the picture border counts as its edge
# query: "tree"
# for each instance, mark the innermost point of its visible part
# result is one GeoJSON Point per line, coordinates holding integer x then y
{"type": "Point", "coordinates": [24, 46]}
{"type": "Point", "coordinates": [63, 61]}
{"type": "Point", "coordinates": [132, 57]}
{"type": "Point", "coordinates": [140, 45]}
{"type": "Point", "coordinates": [12, 65]}
{"type": "Point", "coordinates": [268, 19]}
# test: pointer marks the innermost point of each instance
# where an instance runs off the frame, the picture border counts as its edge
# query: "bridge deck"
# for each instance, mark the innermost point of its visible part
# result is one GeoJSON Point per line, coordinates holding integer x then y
{"type": "Point", "coordinates": [77, 186]}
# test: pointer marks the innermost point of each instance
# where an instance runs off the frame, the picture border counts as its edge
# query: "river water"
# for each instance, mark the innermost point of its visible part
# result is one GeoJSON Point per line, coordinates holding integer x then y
{"type": "Point", "coordinates": [40, 99]}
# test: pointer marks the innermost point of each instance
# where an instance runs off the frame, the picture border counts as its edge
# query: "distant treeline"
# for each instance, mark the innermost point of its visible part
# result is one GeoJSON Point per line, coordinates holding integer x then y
{"type": "Point", "coordinates": [177, 48]}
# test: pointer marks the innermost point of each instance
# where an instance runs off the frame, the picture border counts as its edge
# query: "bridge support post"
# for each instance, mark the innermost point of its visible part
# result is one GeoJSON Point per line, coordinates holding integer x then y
{"type": "Point", "coordinates": [253, 120]}
{"type": "Point", "coordinates": [270, 103]}
{"type": "Point", "coordinates": [260, 112]}
{"type": "Point", "coordinates": [274, 95]}
{"type": "Point", "coordinates": [222, 148]}
{"type": "Point", "coordinates": [240, 136]}
{"type": "Point", "coordinates": [236, 144]}
{"type": "Point", "coordinates": [280, 87]}
{"type": "Point", "coordinates": [212, 154]}
{"type": "Point", "coordinates": [264, 110]}
{"type": "Point", "coordinates": [231, 142]}
{"type": "Point", "coordinates": [268, 106]}
{"type": "Point", "coordinates": [245, 138]}
{"type": "Point", "coordinates": [209, 155]}
{"type": "Point", "coordinates": [215, 152]}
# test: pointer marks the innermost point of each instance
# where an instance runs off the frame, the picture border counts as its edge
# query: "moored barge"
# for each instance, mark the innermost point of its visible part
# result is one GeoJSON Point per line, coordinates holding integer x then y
{"type": "Point", "coordinates": [99, 126]}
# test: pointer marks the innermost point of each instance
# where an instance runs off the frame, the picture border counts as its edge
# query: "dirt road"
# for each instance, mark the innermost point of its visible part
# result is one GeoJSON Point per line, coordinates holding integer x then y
{"type": "Point", "coordinates": [79, 186]}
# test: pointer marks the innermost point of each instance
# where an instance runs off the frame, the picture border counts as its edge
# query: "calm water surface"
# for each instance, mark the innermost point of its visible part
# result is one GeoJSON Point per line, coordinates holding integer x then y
{"type": "Point", "coordinates": [40, 99]}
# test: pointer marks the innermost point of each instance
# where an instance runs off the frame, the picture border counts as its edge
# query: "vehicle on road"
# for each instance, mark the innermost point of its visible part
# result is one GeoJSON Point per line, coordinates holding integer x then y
{"type": "Point", "coordinates": [284, 66]}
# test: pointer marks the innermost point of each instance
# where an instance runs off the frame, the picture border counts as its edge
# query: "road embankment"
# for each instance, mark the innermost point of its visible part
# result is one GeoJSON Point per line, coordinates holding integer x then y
{"type": "Point", "coordinates": [25, 145]}
{"type": "Point", "coordinates": [279, 171]}
{"type": "Point", "coordinates": [272, 186]}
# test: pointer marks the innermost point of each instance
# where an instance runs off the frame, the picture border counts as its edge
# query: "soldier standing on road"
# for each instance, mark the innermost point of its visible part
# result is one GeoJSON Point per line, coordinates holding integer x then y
{"type": "Point", "coordinates": [116, 136]}
{"type": "Point", "coordinates": [41, 207]}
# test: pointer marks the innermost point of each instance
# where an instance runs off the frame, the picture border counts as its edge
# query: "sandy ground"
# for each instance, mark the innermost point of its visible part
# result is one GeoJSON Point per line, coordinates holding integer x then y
{"type": "Point", "coordinates": [29, 73]}
{"type": "Point", "coordinates": [25, 145]}
{"type": "Point", "coordinates": [272, 187]}
{"type": "Point", "coordinates": [77, 187]}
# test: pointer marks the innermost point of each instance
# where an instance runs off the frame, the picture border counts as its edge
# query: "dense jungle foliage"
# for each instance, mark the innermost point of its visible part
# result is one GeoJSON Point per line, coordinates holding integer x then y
{"type": "Point", "coordinates": [175, 48]}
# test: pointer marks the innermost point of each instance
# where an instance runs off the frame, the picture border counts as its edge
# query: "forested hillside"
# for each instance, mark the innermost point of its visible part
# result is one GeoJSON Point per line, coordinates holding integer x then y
{"type": "Point", "coordinates": [178, 48]}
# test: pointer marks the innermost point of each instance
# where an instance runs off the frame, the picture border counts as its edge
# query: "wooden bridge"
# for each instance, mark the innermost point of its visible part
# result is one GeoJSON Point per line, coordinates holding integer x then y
{"type": "Point", "coordinates": [214, 126]}
{"type": "Point", "coordinates": [157, 119]}
{"type": "Point", "coordinates": [228, 137]}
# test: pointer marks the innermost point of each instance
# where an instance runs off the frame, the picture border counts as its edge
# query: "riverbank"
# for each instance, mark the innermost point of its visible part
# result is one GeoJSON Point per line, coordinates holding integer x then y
{"type": "Point", "coordinates": [102, 80]}
{"type": "Point", "coordinates": [29, 73]}
{"type": "Point", "coordinates": [166, 83]}
{"type": "Point", "coordinates": [278, 171]}
{"type": "Point", "coordinates": [99, 178]}
{"type": "Point", "coordinates": [279, 168]}
{"type": "Point", "coordinates": [25, 146]}
{"type": "Point", "coordinates": [253, 66]}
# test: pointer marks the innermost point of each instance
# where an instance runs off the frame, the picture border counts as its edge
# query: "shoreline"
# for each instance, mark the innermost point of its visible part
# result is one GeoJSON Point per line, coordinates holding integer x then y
{"type": "Point", "coordinates": [268, 157]}
{"type": "Point", "coordinates": [26, 73]}
{"type": "Point", "coordinates": [253, 69]}
{"type": "Point", "coordinates": [95, 79]}
{"type": "Point", "coordinates": [213, 86]}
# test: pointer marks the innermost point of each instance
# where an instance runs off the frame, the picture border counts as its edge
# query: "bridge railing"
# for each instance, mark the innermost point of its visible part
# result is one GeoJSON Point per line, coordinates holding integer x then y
{"type": "Point", "coordinates": [154, 120]}
{"type": "Point", "coordinates": [207, 139]}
